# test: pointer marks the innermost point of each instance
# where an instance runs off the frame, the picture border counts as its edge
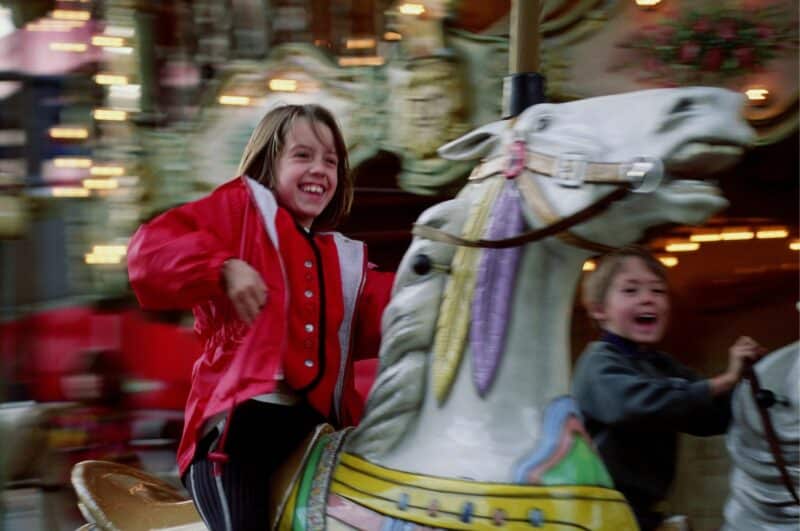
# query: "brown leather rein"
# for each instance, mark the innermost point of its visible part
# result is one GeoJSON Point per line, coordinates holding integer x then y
{"type": "Point", "coordinates": [431, 233]}
{"type": "Point", "coordinates": [769, 432]}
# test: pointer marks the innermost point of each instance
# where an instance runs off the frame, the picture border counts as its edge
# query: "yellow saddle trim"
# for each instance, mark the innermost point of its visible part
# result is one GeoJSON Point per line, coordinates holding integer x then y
{"type": "Point", "coordinates": [459, 504]}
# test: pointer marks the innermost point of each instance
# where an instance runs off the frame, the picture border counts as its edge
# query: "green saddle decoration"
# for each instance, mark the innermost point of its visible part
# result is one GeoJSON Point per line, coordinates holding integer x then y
{"type": "Point", "coordinates": [581, 466]}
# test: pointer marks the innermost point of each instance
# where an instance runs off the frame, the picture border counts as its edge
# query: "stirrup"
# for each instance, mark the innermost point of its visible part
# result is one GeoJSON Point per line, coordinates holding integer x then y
{"type": "Point", "coordinates": [120, 497]}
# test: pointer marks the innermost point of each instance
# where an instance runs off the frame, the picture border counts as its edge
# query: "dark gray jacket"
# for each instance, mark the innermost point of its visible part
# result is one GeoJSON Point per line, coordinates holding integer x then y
{"type": "Point", "coordinates": [634, 404]}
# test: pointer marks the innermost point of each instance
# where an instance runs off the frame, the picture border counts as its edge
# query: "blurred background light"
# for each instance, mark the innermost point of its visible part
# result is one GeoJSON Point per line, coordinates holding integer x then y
{"type": "Point", "coordinates": [69, 132]}
{"type": "Point", "coordinates": [107, 41]}
{"type": "Point", "coordinates": [112, 115]}
{"type": "Point", "coordinates": [681, 247]}
{"type": "Point", "coordinates": [668, 261]}
{"type": "Point", "coordinates": [100, 184]}
{"type": "Point", "coordinates": [72, 162]}
{"type": "Point", "coordinates": [69, 191]}
{"type": "Point", "coordinates": [410, 8]}
{"type": "Point", "coordinates": [75, 47]}
{"type": "Point", "coordinates": [227, 99]}
{"type": "Point", "coordinates": [374, 60]}
{"type": "Point", "coordinates": [70, 14]}
{"type": "Point", "coordinates": [282, 85]}
{"type": "Point", "coordinates": [110, 79]}
{"type": "Point", "coordinates": [107, 171]}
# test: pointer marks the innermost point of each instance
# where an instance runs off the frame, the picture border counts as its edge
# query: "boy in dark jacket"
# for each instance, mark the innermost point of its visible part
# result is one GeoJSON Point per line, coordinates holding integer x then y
{"type": "Point", "coordinates": [635, 399]}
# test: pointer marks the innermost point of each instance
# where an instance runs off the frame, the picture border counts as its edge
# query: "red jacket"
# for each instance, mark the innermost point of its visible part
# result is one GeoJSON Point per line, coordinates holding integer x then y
{"type": "Point", "coordinates": [323, 309]}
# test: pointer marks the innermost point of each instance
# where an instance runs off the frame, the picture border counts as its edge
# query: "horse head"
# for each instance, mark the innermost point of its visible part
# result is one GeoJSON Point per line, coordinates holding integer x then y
{"type": "Point", "coordinates": [694, 132]}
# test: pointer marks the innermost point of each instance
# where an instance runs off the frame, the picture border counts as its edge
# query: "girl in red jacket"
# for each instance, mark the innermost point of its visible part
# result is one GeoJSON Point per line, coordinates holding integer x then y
{"type": "Point", "coordinates": [283, 309]}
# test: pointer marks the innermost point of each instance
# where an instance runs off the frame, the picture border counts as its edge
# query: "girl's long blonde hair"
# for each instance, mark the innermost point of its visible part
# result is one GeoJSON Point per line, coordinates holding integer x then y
{"type": "Point", "coordinates": [267, 142]}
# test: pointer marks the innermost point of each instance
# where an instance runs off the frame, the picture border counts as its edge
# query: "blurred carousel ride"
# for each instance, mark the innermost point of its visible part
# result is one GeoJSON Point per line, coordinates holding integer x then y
{"type": "Point", "coordinates": [468, 425]}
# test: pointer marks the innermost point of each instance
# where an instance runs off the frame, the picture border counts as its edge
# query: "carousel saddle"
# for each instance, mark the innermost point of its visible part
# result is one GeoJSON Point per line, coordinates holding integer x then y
{"type": "Point", "coordinates": [123, 498]}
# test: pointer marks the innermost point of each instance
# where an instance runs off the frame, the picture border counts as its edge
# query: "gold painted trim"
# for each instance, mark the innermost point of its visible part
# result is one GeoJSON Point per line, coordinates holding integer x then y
{"type": "Point", "coordinates": [775, 132]}
{"type": "Point", "coordinates": [441, 502]}
{"type": "Point", "coordinates": [290, 504]}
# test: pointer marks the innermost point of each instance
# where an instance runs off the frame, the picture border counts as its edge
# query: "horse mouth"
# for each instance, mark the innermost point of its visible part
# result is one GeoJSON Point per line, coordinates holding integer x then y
{"type": "Point", "coordinates": [685, 187]}
{"type": "Point", "coordinates": [699, 159]}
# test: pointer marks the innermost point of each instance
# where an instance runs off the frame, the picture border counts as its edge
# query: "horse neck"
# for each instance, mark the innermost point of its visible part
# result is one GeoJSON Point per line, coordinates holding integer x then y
{"type": "Point", "coordinates": [410, 418]}
{"type": "Point", "coordinates": [541, 311]}
{"type": "Point", "coordinates": [532, 365]}
{"type": "Point", "coordinates": [546, 289]}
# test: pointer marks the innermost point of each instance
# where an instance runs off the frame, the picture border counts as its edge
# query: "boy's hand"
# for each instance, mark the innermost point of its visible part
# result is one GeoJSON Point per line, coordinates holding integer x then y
{"type": "Point", "coordinates": [245, 288]}
{"type": "Point", "coordinates": [744, 352]}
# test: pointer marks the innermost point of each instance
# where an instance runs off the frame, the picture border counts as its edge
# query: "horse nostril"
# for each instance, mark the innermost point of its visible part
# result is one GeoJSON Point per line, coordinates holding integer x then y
{"type": "Point", "coordinates": [765, 398]}
{"type": "Point", "coordinates": [422, 264]}
{"type": "Point", "coordinates": [543, 123]}
{"type": "Point", "coordinates": [682, 105]}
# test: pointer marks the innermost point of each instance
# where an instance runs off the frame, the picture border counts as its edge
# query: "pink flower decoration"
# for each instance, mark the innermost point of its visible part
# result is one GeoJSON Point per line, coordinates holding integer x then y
{"type": "Point", "coordinates": [727, 29]}
{"type": "Point", "coordinates": [712, 60]}
{"type": "Point", "coordinates": [689, 52]}
{"type": "Point", "coordinates": [765, 32]}
{"type": "Point", "coordinates": [725, 42]}
{"type": "Point", "coordinates": [651, 64]}
{"type": "Point", "coordinates": [745, 56]}
{"type": "Point", "coordinates": [701, 26]}
{"type": "Point", "coordinates": [664, 34]}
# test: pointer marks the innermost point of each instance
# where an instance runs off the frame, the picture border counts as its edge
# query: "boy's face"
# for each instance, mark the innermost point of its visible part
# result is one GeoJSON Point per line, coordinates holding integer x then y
{"type": "Point", "coordinates": [636, 305]}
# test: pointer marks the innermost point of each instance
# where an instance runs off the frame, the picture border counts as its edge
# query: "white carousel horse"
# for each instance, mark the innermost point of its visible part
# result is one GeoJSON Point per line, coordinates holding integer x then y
{"type": "Point", "coordinates": [468, 425]}
{"type": "Point", "coordinates": [760, 498]}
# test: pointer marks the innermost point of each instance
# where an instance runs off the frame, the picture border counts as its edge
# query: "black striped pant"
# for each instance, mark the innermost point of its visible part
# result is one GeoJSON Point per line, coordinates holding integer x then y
{"type": "Point", "coordinates": [260, 436]}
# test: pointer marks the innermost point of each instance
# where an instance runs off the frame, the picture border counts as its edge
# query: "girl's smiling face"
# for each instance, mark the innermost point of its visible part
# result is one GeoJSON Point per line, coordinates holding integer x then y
{"type": "Point", "coordinates": [636, 305]}
{"type": "Point", "coordinates": [306, 171]}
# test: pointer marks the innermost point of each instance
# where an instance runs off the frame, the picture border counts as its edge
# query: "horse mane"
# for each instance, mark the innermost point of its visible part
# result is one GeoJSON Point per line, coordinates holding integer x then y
{"type": "Point", "coordinates": [408, 329]}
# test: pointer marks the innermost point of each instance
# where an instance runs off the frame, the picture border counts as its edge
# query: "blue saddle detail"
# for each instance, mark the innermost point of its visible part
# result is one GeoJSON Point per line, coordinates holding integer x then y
{"type": "Point", "coordinates": [555, 416]}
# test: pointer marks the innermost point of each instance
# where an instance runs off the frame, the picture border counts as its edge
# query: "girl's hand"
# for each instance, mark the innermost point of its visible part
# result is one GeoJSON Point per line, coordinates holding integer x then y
{"type": "Point", "coordinates": [744, 352]}
{"type": "Point", "coordinates": [245, 288]}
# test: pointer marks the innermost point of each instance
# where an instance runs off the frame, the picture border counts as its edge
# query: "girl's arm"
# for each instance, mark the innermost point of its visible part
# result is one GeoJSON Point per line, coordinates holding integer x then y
{"type": "Point", "coordinates": [175, 260]}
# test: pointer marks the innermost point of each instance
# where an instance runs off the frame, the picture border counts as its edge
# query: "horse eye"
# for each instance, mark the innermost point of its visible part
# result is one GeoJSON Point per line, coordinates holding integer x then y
{"type": "Point", "coordinates": [543, 123]}
{"type": "Point", "coordinates": [682, 105]}
{"type": "Point", "coordinates": [422, 264]}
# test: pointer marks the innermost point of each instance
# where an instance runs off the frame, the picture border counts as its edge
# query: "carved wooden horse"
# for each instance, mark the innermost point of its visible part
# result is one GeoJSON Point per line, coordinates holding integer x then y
{"type": "Point", "coordinates": [468, 425]}
{"type": "Point", "coordinates": [764, 444]}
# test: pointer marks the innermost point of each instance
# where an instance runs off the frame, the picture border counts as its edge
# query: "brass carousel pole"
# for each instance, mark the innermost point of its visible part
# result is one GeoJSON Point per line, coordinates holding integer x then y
{"type": "Point", "coordinates": [524, 86]}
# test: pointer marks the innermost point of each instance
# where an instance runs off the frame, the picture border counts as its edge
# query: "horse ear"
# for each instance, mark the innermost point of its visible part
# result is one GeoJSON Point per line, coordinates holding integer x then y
{"type": "Point", "coordinates": [475, 144]}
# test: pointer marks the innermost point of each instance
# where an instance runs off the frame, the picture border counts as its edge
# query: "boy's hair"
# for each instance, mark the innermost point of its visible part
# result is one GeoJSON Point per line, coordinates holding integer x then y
{"type": "Point", "coordinates": [267, 142]}
{"type": "Point", "coordinates": [596, 283]}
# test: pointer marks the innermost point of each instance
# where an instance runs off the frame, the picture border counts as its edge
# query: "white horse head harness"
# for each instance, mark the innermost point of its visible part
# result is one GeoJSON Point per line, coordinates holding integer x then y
{"type": "Point", "coordinates": [571, 170]}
